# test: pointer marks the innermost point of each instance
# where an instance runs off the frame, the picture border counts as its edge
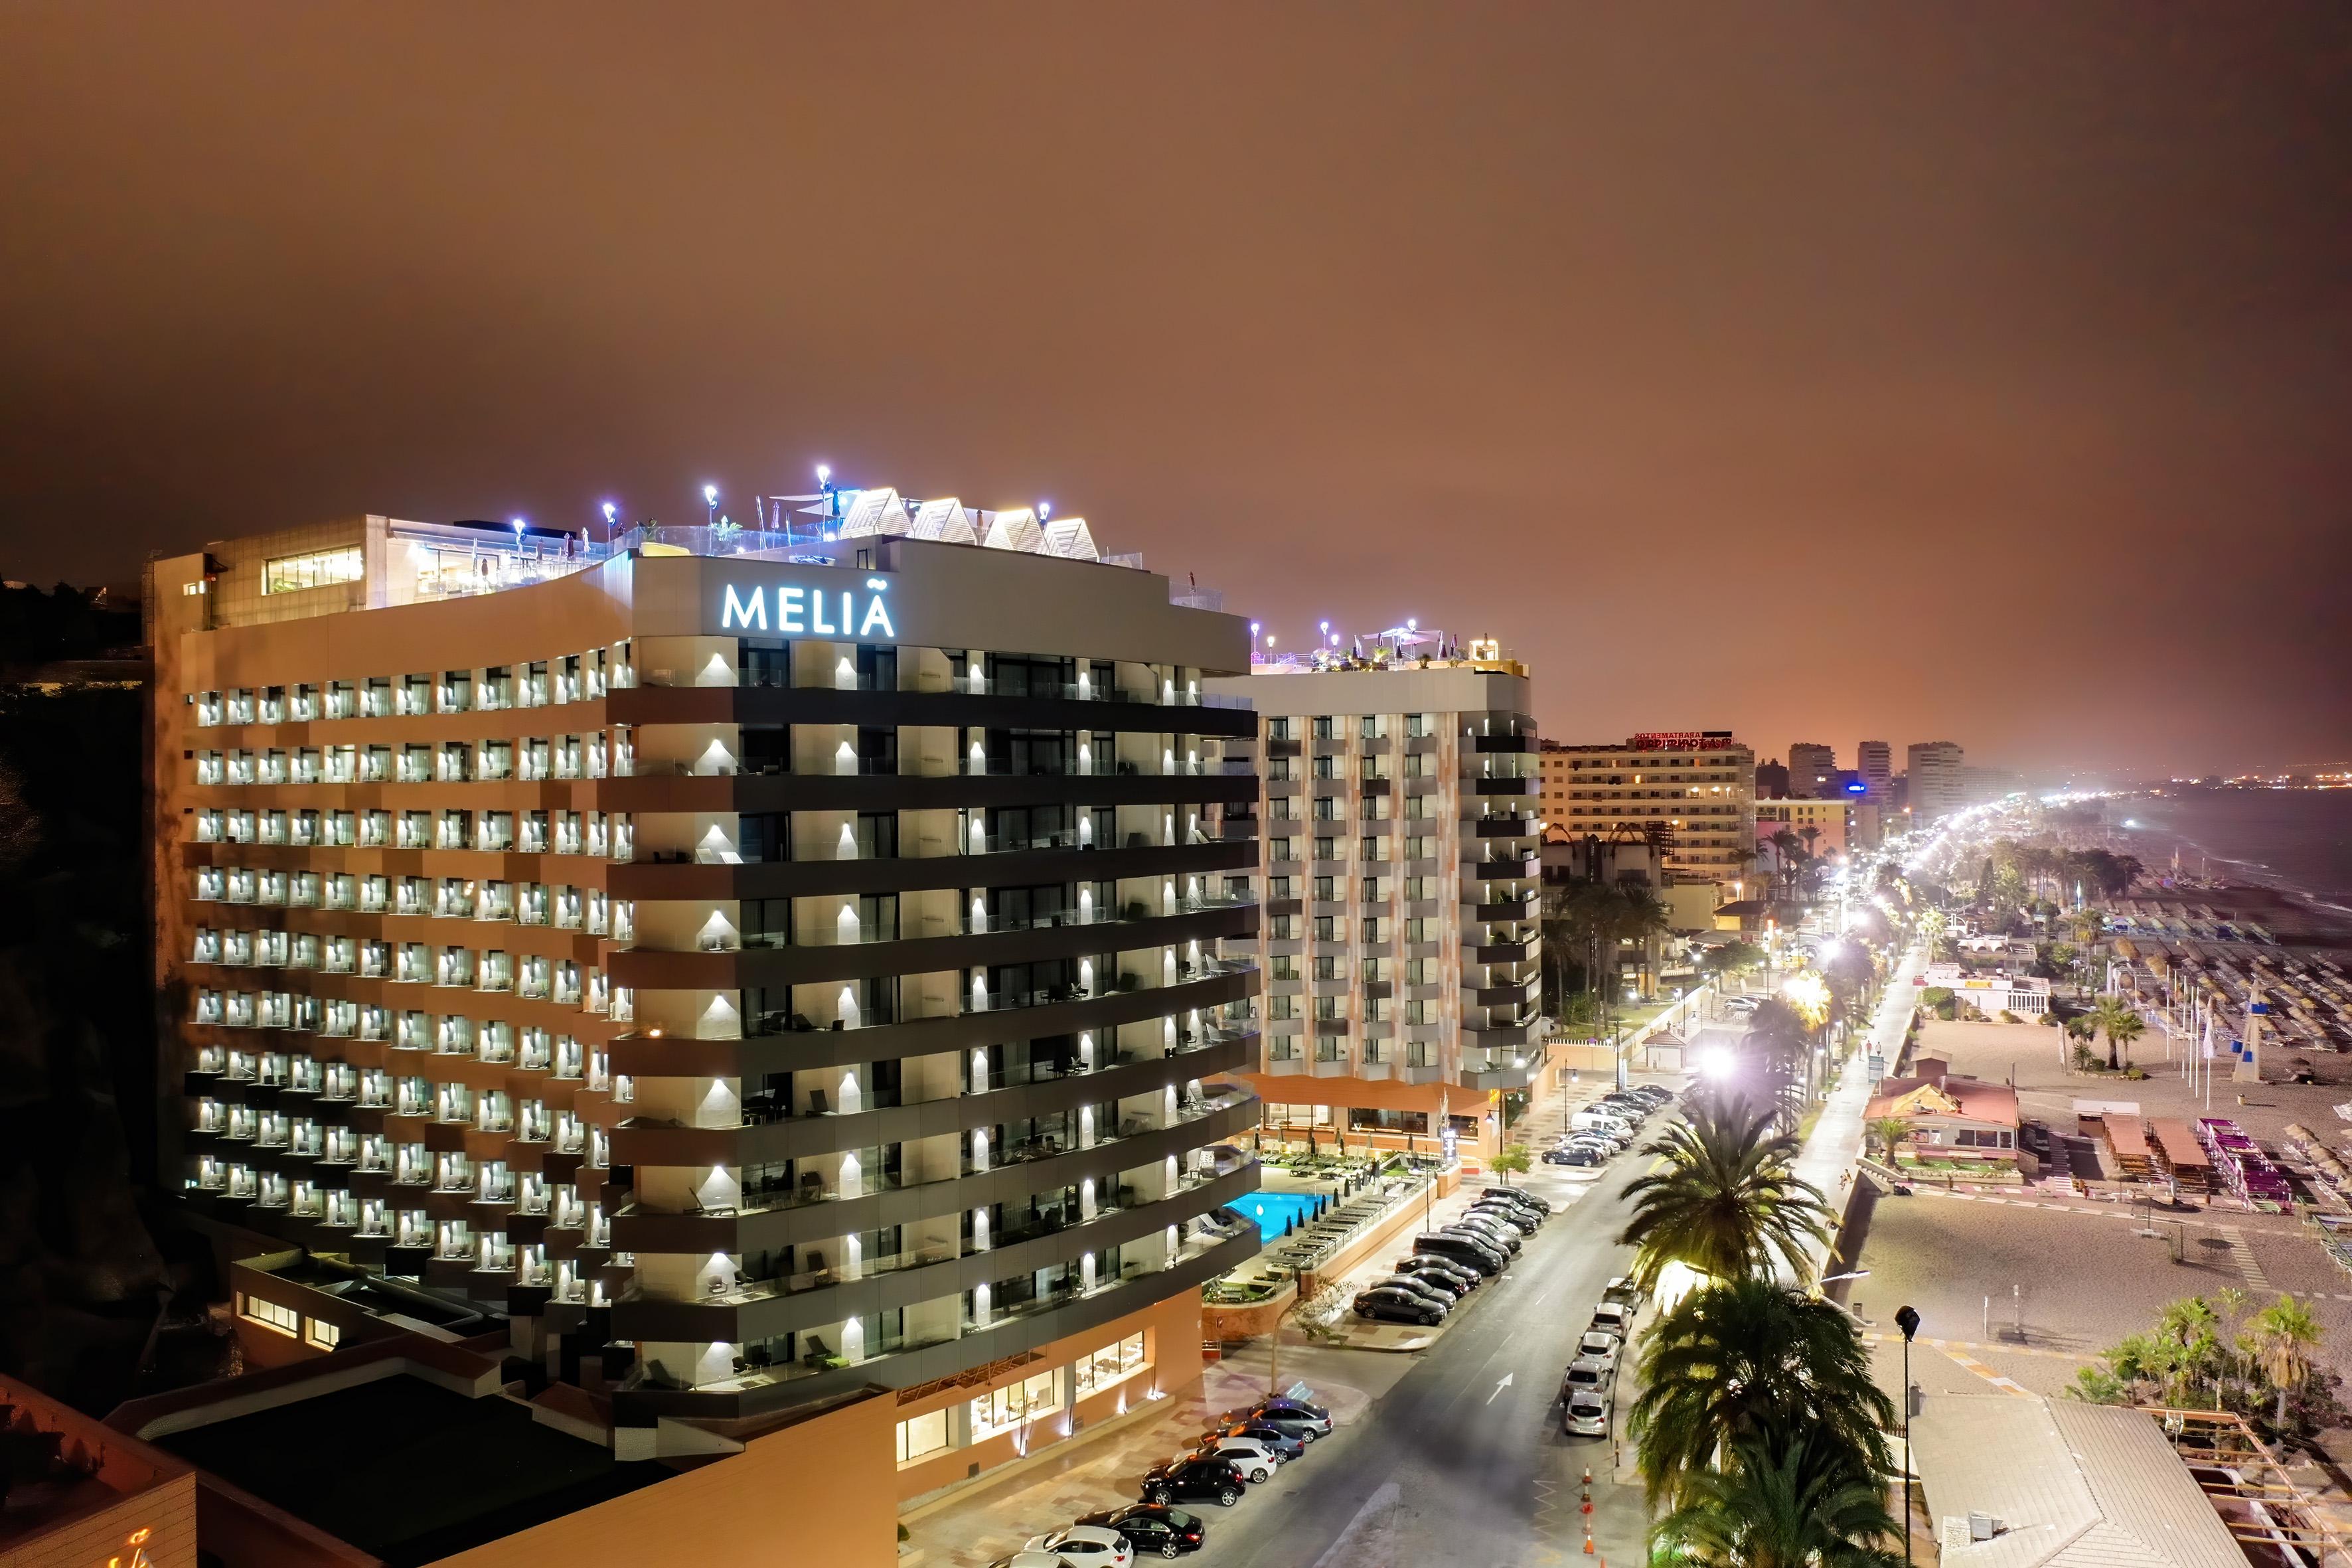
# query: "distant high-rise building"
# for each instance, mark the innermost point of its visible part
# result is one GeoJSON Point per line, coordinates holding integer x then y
{"type": "Point", "coordinates": [1694, 790]}
{"type": "Point", "coordinates": [1937, 789]}
{"type": "Point", "coordinates": [1811, 763]}
{"type": "Point", "coordinates": [1772, 780]}
{"type": "Point", "coordinates": [1874, 761]}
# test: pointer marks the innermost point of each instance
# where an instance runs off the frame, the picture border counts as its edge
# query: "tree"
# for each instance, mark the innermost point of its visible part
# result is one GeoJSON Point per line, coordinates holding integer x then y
{"type": "Point", "coordinates": [2122, 1024]}
{"type": "Point", "coordinates": [1734, 957]}
{"type": "Point", "coordinates": [1779, 1042]}
{"type": "Point", "coordinates": [1789, 1503]}
{"type": "Point", "coordinates": [1512, 1159]}
{"type": "Point", "coordinates": [2281, 1338]}
{"type": "Point", "coordinates": [1726, 1202]}
{"type": "Point", "coordinates": [1745, 1361]}
{"type": "Point", "coordinates": [1887, 1132]}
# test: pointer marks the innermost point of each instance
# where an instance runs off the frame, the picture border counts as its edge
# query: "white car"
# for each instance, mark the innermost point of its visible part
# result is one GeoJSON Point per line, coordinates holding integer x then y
{"type": "Point", "coordinates": [1587, 1415]}
{"type": "Point", "coordinates": [1601, 1345]}
{"type": "Point", "coordinates": [1254, 1459]}
{"type": "Point", "coordinates": [1086, 1546]}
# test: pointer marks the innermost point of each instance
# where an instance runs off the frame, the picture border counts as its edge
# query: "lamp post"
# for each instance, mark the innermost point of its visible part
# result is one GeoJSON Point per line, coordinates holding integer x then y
{"type": "Point", "coordinates": [710, 504]}
{"type": "Point", "coordinates": [1907, 1319]}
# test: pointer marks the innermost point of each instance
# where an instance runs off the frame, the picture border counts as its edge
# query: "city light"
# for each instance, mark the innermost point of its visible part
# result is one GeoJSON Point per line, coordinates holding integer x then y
{"type": "Point", "coordinates": [1808, 995]}
{"type": "Point", "coordinates": [823, 473]}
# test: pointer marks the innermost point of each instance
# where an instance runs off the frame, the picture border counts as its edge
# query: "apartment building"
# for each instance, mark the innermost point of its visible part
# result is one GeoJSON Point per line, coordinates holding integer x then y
{"type": "Point", "coordinates": [755, 970]}
{"type": "Point", "coordinates": [1937, 785]}
{"type": "Point", "coordinates": [1811, 769]}
{"type": "Point", "coordinates": [1875, 762]}
{"type": "Point", "coordinates": [1399, 848]}
{"type": "Point", "coordinates": [1694, 790]}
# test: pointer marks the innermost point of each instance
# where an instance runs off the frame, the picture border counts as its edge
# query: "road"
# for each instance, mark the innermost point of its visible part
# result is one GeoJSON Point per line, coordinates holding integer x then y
{"type": "Point", "coordinates": [1456, 1464]}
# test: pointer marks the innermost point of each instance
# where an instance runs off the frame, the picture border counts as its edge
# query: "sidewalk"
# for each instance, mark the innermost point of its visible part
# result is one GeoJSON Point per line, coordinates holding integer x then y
{"type": "Point", "coordinates": [1835, 1140]}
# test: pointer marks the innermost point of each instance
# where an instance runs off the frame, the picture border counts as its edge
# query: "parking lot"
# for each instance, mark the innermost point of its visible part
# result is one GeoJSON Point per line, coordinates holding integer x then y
{"type": "Point", "coordinates": [1455, 1453]}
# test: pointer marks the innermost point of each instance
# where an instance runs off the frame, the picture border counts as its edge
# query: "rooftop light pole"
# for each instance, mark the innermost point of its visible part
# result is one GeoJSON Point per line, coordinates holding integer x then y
{"type": "Point", "coordinates": [710, 502]}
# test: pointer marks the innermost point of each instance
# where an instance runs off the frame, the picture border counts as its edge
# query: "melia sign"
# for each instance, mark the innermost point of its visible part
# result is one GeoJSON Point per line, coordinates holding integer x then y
{"type": "Point", "coordinates": [809, 611]}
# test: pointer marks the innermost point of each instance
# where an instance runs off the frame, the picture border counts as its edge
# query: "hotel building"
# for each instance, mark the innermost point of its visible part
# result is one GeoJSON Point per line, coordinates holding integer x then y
{"type": "Point", "coordinates": [1811, 768]}
{"type": "Point", "coordinates": [756, 972]}
{"type": "Point", "coordinates": [1695, 790]}
{"type": "Point", "coordinates": [1937, 787]}
{"type": "Point", "coordinates": [1398, 847]}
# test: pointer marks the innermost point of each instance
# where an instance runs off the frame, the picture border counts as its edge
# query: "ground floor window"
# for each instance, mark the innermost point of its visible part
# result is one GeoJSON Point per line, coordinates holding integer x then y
{"type": "Point", "coordinates": [1002, 1409]}
{"type": "Point", "coordinates": [1387, 1120]}
{"type": "Point", "coordinates": [269, 1314]}
{"type": "Point", "coordinates": [922, 1436]}
{"type": "Point", "coordinates": [1119, 1359]}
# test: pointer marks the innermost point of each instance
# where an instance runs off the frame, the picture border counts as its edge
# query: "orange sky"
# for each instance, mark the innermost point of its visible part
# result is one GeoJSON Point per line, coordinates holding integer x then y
{"type": "Point", "coordinates": [1969, 372]}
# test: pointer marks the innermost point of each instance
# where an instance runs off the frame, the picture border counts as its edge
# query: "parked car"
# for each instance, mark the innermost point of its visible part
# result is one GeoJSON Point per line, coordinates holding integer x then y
{"type": "Point", "coordinates": [1149, 1527]}
{"type": "Point", "coordinates": [1601, 1345]}
{"type": "Point", "coordinates": [1576, 1154]}
{"type": "Point", "coordinates": [1285, 1445]}
{"type": "Point", "coordinates": [1655, 1093]}
{"type": "Point", "coordinates": [1254, 1459]}
{"type": "Point", "coordinates": [1615, 1316]}
{"type": "Point", "coordinates": [1517, 1220]}
{"type": "Point", "coordinates": [1193, 1476]}
{"type": "Point", "coordinates": [1309, 1420]}
{"type": "Point", "coordinates": [1517, 1201]}
{"type": "Point", "coordinates": [1446, 1291]}
{"type": "Point", "coordinates": [1623, 1290]}
{"type": "Point", "coordinates": [1585, 1414]}
{"type": "Point", "coordinates": [1429, 1263]}
{"type": "Point", "coordinates": [1435, 1295]}
{"type": "Point", "coordinates": [1626, 1101]}
{"type": "Point", "coordinates": [1600, 1121]}
{"type": "Point", "coordinates": [1465, 1251]}
{"type": "Point", "coordinates": [1388, 1304]}
{"type": "Point", "coordinates": [1517, 1196]}
{"type": "Point", "coordinates": [1492, 1233]}
{"type": "Point", "coordinates": [1086, 1546]}
{"type": "Point", "coordinates": [1583, 1374]}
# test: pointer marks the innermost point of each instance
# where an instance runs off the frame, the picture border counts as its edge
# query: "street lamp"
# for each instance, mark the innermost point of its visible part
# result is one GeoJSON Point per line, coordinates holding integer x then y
{"type": "Point", "coordinates": [711, 500]}
{"type": "Point", "coordinates": [1907, 1319]}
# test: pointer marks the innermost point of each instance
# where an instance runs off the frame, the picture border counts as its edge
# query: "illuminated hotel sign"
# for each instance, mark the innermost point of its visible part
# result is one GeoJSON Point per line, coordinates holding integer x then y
{"type": "Point", "coordinates": [811, 612]}
{"type": "Point", "coordinates": [1681, 740]}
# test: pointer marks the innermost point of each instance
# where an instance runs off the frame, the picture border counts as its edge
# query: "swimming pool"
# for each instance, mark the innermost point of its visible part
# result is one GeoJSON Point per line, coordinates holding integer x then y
{"type": "Point", "coordinates": [1272, 1210]}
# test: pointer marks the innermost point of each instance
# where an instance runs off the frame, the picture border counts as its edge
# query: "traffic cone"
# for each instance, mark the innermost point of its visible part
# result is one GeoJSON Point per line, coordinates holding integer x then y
{"type": "Point", "coordinates": [1587, 1542]}
{"type": "Point", "coordinates": [1587, 1478]}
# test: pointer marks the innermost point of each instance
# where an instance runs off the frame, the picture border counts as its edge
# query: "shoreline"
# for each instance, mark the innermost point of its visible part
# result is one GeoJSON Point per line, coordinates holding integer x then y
{"type": "Point", "coordinates": [2297, 915]}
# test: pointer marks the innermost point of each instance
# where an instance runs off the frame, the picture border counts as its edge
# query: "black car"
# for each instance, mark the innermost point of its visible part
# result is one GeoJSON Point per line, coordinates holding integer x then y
{"type": "Point", "coordinates": [1428, 1265]}
{"type": "Point", "coordinates": [1151, 1526]}
{"type": "Point", "coordinates": [1518, 1196]}
{"type": "Point", "coordinates": [1518, 1221]}
{"type": "Point", "coordinates": [1395, 1304]}
{"type": "Point", "coordinates": [1576, 1156]}
{"type": "Point", "coordinates": [1462, 1251]}
{"type": "Point", "coordinates": [1493, 1231]}
{"type": "Point", "coordinates": [1194, 1476]}
{"type": "Point", "coordinates": [1447, 1288]}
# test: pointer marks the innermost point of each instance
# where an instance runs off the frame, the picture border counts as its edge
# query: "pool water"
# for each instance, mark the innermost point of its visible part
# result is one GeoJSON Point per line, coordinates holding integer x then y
{"type": "Point", "coordinates": [1273, 1210]}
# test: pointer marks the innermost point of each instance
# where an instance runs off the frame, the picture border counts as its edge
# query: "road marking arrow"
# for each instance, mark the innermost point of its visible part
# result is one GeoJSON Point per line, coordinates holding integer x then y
{"type": "Point", "coordinates": [1505, 1383]}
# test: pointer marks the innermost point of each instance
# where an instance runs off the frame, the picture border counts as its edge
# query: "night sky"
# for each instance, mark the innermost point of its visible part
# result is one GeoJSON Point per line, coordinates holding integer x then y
{"type": "Point", "coordinates": [1976, 372]}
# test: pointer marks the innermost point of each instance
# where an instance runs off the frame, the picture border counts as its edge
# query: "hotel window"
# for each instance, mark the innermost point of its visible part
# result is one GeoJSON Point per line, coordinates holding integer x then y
{"type": "Point", "coordinates": [922, 1436]}
{"type": "Point", "coordinates": [319, 569]}
{"type": "Point", "coordinates": [269, 1314]}
{"type": "Point", "coordinates": [1002, 1409]}
{"type": "Point", "coordinates": [1120, 1360]}
{"type": "Point", "coordinates": [322, 1335]}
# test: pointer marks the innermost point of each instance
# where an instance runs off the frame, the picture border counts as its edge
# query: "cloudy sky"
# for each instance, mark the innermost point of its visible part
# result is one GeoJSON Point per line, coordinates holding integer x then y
{"type": "Point", "coordinates": [1912, 372]}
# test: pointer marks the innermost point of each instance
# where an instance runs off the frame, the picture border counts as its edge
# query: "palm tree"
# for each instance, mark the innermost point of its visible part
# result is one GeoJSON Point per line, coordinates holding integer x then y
{"type": "Point", "coordinates": [1781, 1045]}
{"type": "Point", "coordinates": [2283, 1336]}
{"type": "Point", "coordinates": [1786, 848]}
{"type": "Point", "coordinates": [1778, 1505]}
{"type": "Point", "coordinates": [1742, 1361]}
{"type": "Point", "coordinates": [2121, 1023]}
{"type": "Point", "coordinates": [1726, 1203]}
{"type": "Point", "coordinates": [1888, 1131]}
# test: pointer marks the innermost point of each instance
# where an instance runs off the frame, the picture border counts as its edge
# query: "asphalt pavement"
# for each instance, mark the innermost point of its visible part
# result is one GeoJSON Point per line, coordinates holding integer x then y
{"type": "Point", "coordinates": [1463, 1460]}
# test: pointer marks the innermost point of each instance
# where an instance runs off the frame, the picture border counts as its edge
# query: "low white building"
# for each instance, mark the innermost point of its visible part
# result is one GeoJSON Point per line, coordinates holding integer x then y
{"type": "Point", "coordinates": [1991, 996]}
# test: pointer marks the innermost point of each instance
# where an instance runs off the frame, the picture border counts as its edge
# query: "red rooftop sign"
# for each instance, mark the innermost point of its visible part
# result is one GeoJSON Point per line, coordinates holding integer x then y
{"type": "Point", "coordinates": [1682, 740]}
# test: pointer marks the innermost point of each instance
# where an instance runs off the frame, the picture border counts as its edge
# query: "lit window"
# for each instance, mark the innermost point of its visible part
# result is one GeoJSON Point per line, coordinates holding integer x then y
{"type": "Point", "coordinates": [1120, 1360]}
{"type": "Point", "coordinates": [1002, 1409]}
{"type": "Point", "coordinates": [325, 1335]}
{"type": "Point", "coordinates": [922, 1436]}
{"type": "Point", "coordinates": [270, 1315]}
{"type": "Point", "coordinates": [319, 569]}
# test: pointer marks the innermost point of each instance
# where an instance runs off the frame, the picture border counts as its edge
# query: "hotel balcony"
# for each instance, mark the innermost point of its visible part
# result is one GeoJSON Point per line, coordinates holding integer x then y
{"type": "Point", "coordinates": [1225, 1242]}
